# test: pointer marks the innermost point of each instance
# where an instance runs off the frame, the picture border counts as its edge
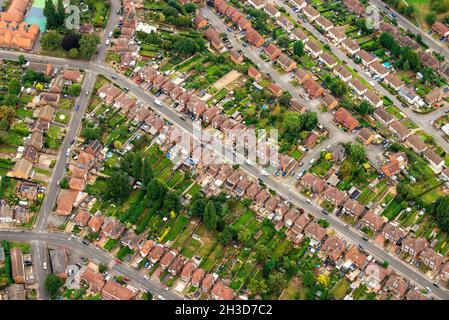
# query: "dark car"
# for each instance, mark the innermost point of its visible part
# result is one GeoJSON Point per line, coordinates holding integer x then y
{"type": "Point", "coordinates": [86, 242]}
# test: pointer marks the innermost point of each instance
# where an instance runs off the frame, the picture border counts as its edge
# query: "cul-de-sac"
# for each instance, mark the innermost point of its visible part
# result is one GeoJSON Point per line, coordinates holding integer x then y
{"type": "Point", "coordinates": [224, 150]}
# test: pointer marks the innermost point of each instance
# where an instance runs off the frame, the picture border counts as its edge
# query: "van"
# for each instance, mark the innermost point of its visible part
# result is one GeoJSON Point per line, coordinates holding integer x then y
{"type": "Point", "coordinates": [158, 102]}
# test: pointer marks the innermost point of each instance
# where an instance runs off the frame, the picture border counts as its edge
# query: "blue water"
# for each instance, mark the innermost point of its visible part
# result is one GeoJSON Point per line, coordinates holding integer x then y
{"type": "Point", "coordinates": [387, 64]}
{"type": "Point", "coordinates": [36, 16]}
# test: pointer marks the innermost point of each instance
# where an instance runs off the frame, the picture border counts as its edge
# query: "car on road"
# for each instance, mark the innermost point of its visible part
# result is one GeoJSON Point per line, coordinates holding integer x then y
{"type": "Point", "coordinates": [86, 242]}
{"type": "Point", "coordinates": [68, 152]}
{"type": "Point", "coordinates": [87, 93]}
{"type": "Point", "coordinates": [77, 107]}
{"type": "Point", "coordinates": [364, 237]}
{"type": "Point", "coordinates": [44, 265]}
{"type": "Point", "coordinates": [126, 279]}
{"type": "Point", "coordinates": [146, 277]}
{"type": "Point", "coordinates": [435, 285]}
{"type": "Point", "coordinates": [182, 118]}
{"type": "Point", "coordinates": [309, 201]}
{"type": "Point", "coordinates": [110, 34]}
{"type": "Point", "coordinates": [229, 29]}
{"type": "Point", "coordinates": [346, 226]}
{"type": "Point", "coordinates": [107, 42]}
{"type": "Point", "coordinates": [114, 76]}
{"type": "Point", "coordinates": [428, 289]}
{"type": "Point", "coordinates": [118, 261]}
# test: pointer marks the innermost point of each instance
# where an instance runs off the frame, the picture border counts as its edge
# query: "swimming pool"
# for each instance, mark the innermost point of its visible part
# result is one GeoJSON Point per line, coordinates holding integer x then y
{"type": "Point", "coordinates": [35, 15]}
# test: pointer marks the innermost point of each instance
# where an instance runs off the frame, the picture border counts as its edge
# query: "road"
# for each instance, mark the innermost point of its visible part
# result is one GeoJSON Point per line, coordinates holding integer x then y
{"type": "Point", "coordinates": [283, 190]}
{"type": "Point", "coordinates": [95, 254]}
{"type": "Point", "coordinates": [40, 255]}
{"type": "Point", "coordinates": [113, 20]}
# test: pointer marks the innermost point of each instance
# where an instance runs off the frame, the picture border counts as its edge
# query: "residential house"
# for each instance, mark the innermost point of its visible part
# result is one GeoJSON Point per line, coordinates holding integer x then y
{"type": "Point", "coordinates": [357, 86]}
{"type": "Point", "coordinates": [416, 143]}
{"type": "Point", "coordinates": [114, 291]}
{"type": "Point", "coordinates": [365, 57]}
{"type": "Point", "coordinates": [373, 98]}
{"type": "Point", "coordinates": [334, 196]}
{"type": "Point", "coordinates": [17, 265]}
{"type": "Point", "coordinates": [353, 208]}
{"type": "Point", "coordinates": [177, 265]}
{"type": "Point", "coordinates": [393, 81]}
{"type": "Point", "coordinates": [312, 88]}
{"type": "Point", "coordinates": [342, 73]}
{"type": "Point", "coordinates": [156, 253]}
{"type": "Point", "coordinates": [222, 292]}
{"type": "Point", "coordinates": [312, 182]}
{"type": "Point", "coordinates": [254, 37]}
{"type": "Point", "coordinates": [356, 257]}
{"type": "Point", "coordinates": [384, 117]}
{"type": "Point", "coordinates": [113, 229]}
{"type": "Point", "coordinates": [236, 57]}
{"type": "Point", "coordinates": [311, 13]}
{"type": "Point", "coordinates": [431, 259]}
{"type": "Point", "coordinates": [324, 23]}
{"type": "Point", "coordinates": [399, 130]}
{"type": "Point", "coordinates": [82, 218]}
{"type": "Point", "coordinates": [271, 10]}
{"type": "Point", "coordinates": [372, 221]}
{"type": "Point", "coordinates": [94, 279]}
{"type": "Point", "coordinates": [397, 286]}
{"type": "Point", "coordinates": [435, 161]}
{"type": "Point", "coordinates": [337, 34]}
{"type": "Point", "coordinates": [334, 247]}
{"type": "Point", "coordinates": [298, 34]}
{"type": "Point", "coordinates": [345, 118]}
{"type": "Point", "coordinates": [254, 73]}
{"type": "Point", "coordinates": [197, 277]}
{"type": "Point", "coordinates": [272, 51]}
{"type": "Point", "coordinates": [286, 63]}
{"type": "Point", "coordinates": [328, 60]}
{"type": "Point", "coordinates": [440, 28]}
{"type": "Point", "coordinates": [313, 49]}
{"type": "Point", "coordinates": [392, 232]}
{"type": "Point", "coordinates": [22, 169]}
{"type": "Point", "coordinates": [366, 135]}
{"type": "Point", "coordinates": [208, 282]}
{"type": "Point", "coordinates": [275, 89]}
{"type": "Point", "coordinates": [315, 231]}
{"type": "Point", "coordinates": [301, 75]}
{"type": "Point", "coordinates": [413, 246]}
{"type": "Point", "coordinates": [351, 46]}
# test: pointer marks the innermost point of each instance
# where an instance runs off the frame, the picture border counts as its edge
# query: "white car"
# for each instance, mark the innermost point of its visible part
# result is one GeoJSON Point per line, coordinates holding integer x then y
{"type": "Point", "coordinates": [107, 42]}
{"type": "Point", "coordinates": [249, 162]}
{"type": "Point", "coordinates": [44, 265]}
{"type": "Point", "coordinates": [110, 34]}
{"type": "Point", "coordinates": [146, 277]}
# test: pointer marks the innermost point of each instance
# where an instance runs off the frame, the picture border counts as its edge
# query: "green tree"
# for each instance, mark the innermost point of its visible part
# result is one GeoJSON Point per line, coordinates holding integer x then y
{"type": "Point", "coordinates": [338, 87]}
{"type": "Point", "coordinates": [210, 216]}
{"type": "Point", "coordinates": [118, 187]}
{"type": "Point", "coordinates": [276, 283]}
{"type": "Point", "coordinates": [262, 253]}
{"type": "Point", "coordinates": [88, 45]}
{"type": "Point", "coordinates": [74, 53]}
{"type": "Point", "coordinates": [431, 18]}
{"type": "Point", "coordinates": [364, 108]}
{"type": "Point", "coordinates": [293, 125]}
{"type": "Point", "coordinates": [185, 47]}
{"type": "Point", "coordinates": [21, 59]}
{"type": "Point", "coordinates": [50, 14]}
{"type": "Point", "coordinates": [298, 48]}
{"type": "Point", "coordinates": [51, 40]}
{"type": "Point", "coordinates": [309, 120]}
{"type": "Point", "coordinates": [257, 286]}
{"type": "Point", "coordinates": [309, 279]}
{"type": "Point", "coordinates": [198, 207]}
{"type": "Point", "coordinates": [74, 90]}
{"type": "Point", "coordinates": [14, 86]}
{"type": "Point", "coordinates": [356, 152]}
{"type": "Point", "coordinates": [102, 268]}
{"type": "Point", "coordinates": [147, 296]}
{"type": "Point", "coordinates": [53, 283]}
{"type": "Point", "coordinates": [60, 14]}
{"type": "Point", "coordinates": [441, 212]}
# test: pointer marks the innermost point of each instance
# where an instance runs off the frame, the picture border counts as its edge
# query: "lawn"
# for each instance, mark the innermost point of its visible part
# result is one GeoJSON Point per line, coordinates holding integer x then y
{"type": "Point", "coordinates": [62, 117]}
{"type": "Point", "coordinates": [392, 210]}
{"type": "Point", "coordinates": [340, 290]}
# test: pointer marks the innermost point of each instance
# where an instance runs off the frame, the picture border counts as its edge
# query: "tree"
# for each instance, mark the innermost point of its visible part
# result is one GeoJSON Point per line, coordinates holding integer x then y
{"type": "Point", "coordinates": [14, 86]}
{"type": "Point", "coordinates": [292, 125]}
{"type": "Point", "coordinates": [118, 187]}
{"type": "Point", "coordinates": [298, 48]}
{"type": "Point", "coordinates": [309, 120]}
{"type": "Point", "coordinates": [147, 296]}
{"type": "Point", "coordinates": [244, 236]}
{"type": "Point", "coordinates": [147, 171]}
{"type": "Point", "coordinates": [71, 41]}
{"type": "Point", "coordinates": [431, 18]}
{"type": "Point", "coordinates": [117, 145]}
{"type": "Point", "coordinates": [257, 286]}
{"type": "Point", "coordinates": [137, 166]}
{"type": "Point", "coordinates": [50, 14]}
{"type": "Point", "coordinates": [198, 207]}
{"type": "Point", "coordinates": [283, 42]}
{"type": "Point", "coordinates": [309, 279]}
{"type": "Point", "coordinates": [262, 254]}
{"type": "Point", "coordinates": [441, 212]}
{"type": "Point", "coordinates": [190, 7]}
{"type": "Point", "coordinates": [364, 108]}
{"type": "Point", "coordinates": [74, 53]}
{"type": "Point", "coordinates": [51, 40]}
{"type": "Point", "coordinates": [210, 216]}
{"type": "Point", "coordinates": [276, 283]}
{"type": "Point", "coordinates": [356, 152]}
{"type": "Point", "coordinates": [155, 190]}
{"type": "Point", "coordinates": [225, 236]}
{"type": "Point", "coordinates": [53, 283]}
{"type": "Point", "coordinates": [59, 14]}
{"type": "Point", "coordinates": [88, 45]}
{"type": "Point", "coordinates": [338, 87]}
{"type": "Point", "coordinates": [185, 47]}
{"type": "Point", "coordinates": [102, 268]}
{"type": "Point", "coordinates": [21, 59]}
{"type": "Point", "coordinates": [74, 90]}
